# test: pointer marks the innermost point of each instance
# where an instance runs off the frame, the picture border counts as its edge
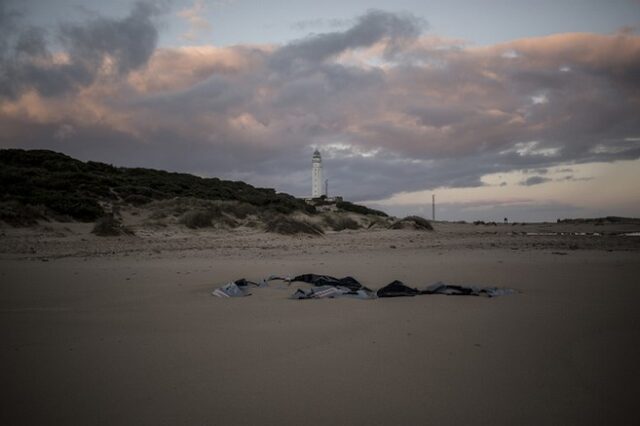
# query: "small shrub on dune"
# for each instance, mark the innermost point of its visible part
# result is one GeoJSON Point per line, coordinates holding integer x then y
{"type": "Point", "coordinates": [377, 222]}
{"type": "Point", "coordinates": [330, 221]}
{"type": "Point", "coordinates": [356, 208]}
{"type": "Point", "coordinates": [81, 208]}
{"type": "Point", "coordinates": [227, 221]}
{"type": "Point", "coordinates": [252, 224]}
{"type": "Point", "coordinates": [420, 222]}
{"type": "Point", "coordinates": [158, 214]}
{"type": "Point", "coordinates": [341, 223]}
{"type": "Point", "coordinates": [137, 199]}
{"type": "Point", "coordinates": [197, 219]}
{"type": "Point", "coordinates": [241, 210]}
{"type": "Point", "coordinates": [288, 226]}
{"type": "Point", "coordinates": [268, 215]}
{"type": "Point", "coordinates": [412, 222]}
{"type": "Point", "coordinates": [156, 224]}
{"type": "Point", "coordinates": [17, 214]}
{"type": "Point", "coordinates": [108, 226]}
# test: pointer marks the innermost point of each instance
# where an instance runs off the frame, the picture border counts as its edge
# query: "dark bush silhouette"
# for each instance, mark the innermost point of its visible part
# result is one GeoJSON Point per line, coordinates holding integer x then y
{"type": "Point", "coordinates": [17, 214]}
{"type": "Point", "coordinates": [412, 222]}
{"type": "Point", "coordinates": [355, 208]}
{"type": "Point", "coordinates": [108, 226]}
{"type": "Point", "coordinates": [197, 219]}
{"type": "Point", "coordinates": [341, 223]}
{"type": "Point", "coordinates": [289, 226]}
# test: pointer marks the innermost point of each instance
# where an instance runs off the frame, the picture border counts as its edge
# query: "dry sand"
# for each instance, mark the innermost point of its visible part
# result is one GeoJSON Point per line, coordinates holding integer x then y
{"type": "Point", "coordinates": [125, 331]}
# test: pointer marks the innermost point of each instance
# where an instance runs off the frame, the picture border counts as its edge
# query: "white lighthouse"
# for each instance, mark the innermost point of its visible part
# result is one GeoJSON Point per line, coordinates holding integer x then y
{"type": "Point", "coordinates": [316, 175]}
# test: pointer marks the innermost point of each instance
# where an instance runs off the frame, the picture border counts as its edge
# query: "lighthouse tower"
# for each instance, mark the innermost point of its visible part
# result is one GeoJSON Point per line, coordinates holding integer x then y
{"type": "Point", "coordinates": [316, 175]}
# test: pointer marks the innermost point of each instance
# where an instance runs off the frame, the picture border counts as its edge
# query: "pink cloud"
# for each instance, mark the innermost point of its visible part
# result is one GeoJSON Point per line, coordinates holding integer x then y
{"type": "Point", "coordinates": [454, 111]}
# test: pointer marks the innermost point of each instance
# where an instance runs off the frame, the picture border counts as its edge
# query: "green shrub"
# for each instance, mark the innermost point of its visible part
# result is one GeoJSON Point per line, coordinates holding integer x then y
{"type": "Point", "coordinates": [268, 215]}
{"type": "Point", "coordinates": [79, 208]}
{"type": "Point", "coordinates": [228, 221]}
{"type": "Point", "coordinates": [137, 200]}
{"type": "Point", "coordinates": [412, 222]}
{"type": "Point", "coordinates": [158, 214]}
{"type": "Point", "coordinates": [197, 219]}
{"type": "Point", "coordinates": [17, 214]}
{"type": "Point", "coordinates": [289, 226]}
{"type": "Point", "coordinates": [341, 223]}
{"type": "Point", "coordinates": [377, 222]}
{"type": "Point", "coordinates": [240, 210]}
{"type": "Point", "coordinates": [356, 208]}
{"type": "Point", "coordinates": [108, 226]}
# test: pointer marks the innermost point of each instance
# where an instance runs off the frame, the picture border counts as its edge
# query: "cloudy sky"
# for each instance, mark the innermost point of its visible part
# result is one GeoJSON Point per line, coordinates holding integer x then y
{"type": "Point", "coordinates": [523, 109]}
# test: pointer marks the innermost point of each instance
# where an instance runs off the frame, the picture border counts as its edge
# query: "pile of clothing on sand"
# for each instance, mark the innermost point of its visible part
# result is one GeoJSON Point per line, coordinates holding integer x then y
{"type": "Point", "coordinates": [325, 286]}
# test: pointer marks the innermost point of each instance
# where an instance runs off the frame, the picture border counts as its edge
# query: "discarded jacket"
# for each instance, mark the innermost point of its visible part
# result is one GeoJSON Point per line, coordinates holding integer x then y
{"type": "Point", "coordinates": [322, 280]}
{"type": "Point", "coordinates": [237, 288]}
{"type": "Point", "coordinates": [330, 292]}
{"type": "Point", "coordinates": [450, 290]}
{"type": "Point", "coordinates": [397, 289]}
{"type": "Point", "coordinates": [458, 290]}
{"type": "Point", "coordinates": [322, 292]}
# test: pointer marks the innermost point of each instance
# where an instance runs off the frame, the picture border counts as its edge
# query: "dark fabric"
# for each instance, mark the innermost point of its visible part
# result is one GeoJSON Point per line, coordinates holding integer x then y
{"type": "Point", "coordinates": [331, 292]}
{"type": "Point", "coordinates": [458, 290]}
{"type": "Point", "coordinates": [326, 286]}
{"type": "Point", "coordinates": [363, 293]}
{"type": "Point", "coordinates": [397, 289]}
{"type": "Point", "coordinates": [244, 283]}
{"type": "Point", "coordinates": [321, 292]}
{"type": "Point", "coordinates": [450, 290]}
{"type": "Point", "coordinates": [321, 280]}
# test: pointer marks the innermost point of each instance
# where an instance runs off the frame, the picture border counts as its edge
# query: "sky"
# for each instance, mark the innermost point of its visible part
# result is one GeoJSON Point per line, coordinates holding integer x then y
{"type": "Point", "coordinates": [520, 109]}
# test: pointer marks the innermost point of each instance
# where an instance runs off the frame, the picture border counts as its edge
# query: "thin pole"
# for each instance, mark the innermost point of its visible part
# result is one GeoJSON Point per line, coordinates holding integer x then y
{"type": "Point", "coordinates": [433, 206]}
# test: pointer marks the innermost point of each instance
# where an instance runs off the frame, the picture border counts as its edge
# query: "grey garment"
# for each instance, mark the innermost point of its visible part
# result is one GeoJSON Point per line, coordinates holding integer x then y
{"type": "Point", "coordinates": [458, 290]}
{"type": "Point", "coordinates": [330, 292]}
{"type": "Point", "coordinates": [320, 280]}
{"type": "Point", "coordinates": [495, 291]}
{"type": "Point", "coordinates": [230, 290]}
{"type": "Point", "coordinates": [363, 293]}
{"type": "Point", "coordinates": [322, 292]}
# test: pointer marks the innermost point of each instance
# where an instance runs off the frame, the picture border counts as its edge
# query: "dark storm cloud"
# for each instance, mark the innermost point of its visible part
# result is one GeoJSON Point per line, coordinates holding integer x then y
{"type": "Point", "coordinates": [390, 109]}
{"type": "Point", "coordinates": [219, 94]}
{"type": "Point", "coordinates": [368, 29]}
{"type": "Point", "coordinates": [129, 42]}
{"type": "Point", "coordinates": [28, 64]}
{"type": "Point", "coordinates": [31, 42]}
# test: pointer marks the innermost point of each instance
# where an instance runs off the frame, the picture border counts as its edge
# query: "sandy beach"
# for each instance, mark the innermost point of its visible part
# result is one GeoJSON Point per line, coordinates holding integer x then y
{"type": "Point", "coordinates": [124, 330]}
{"type": "Point", "coordinates": [433, 204]}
